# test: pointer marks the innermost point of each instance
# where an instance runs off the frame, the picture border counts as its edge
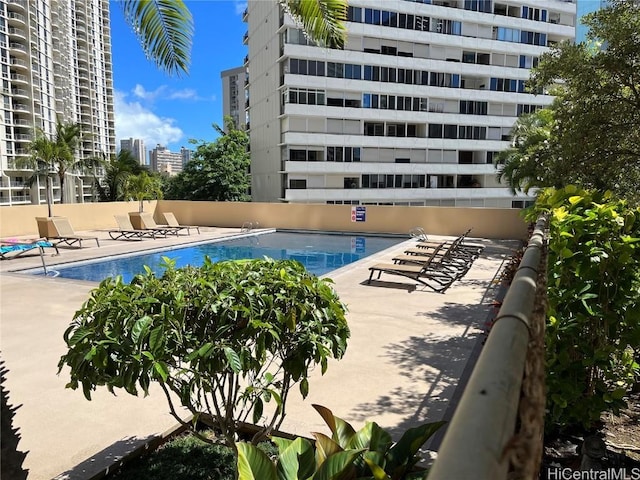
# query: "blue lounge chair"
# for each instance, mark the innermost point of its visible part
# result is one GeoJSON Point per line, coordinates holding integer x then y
{"type": "Point", "coordinates": [11, 249]}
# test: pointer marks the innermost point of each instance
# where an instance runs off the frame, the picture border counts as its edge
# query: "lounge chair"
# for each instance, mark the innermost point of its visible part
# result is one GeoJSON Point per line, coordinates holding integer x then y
{"type": "Point", "coordinates": [172, 221]}
{"type": "Point", "coordinates": [66, 235]}
{"type": "Point", "coordinates": [126, 231]}
{"type": "Point", "coordinates": [463, 248]}
{"type": "Point", "coordinates": [148, 223]}
{"type": "Point", "coordinates": [423, 274]}
{"type": "Point", "coordinates": [443, 258]}
{"type": "Point", "coordinates": [15, 248]}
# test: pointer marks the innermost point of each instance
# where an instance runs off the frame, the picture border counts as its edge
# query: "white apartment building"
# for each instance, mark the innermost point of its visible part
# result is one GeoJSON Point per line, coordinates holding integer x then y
{"type": "Point", "coordinates": [410, 112]}
{"type": "Point", "coordinates": [233, 95]}
{"type": "Point", "coordinates": [136, 147]}
{"type": "Point", "coordinates": [163, 160]}
{"type": "Point", "coordinates": [55, 61]}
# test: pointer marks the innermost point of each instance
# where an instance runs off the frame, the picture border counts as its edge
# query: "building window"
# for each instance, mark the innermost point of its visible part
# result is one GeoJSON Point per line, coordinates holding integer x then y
{"type": "Point", "coordinates": [297, 184]}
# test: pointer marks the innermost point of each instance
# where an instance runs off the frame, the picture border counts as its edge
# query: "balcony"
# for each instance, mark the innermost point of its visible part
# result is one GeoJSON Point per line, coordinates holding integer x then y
{"type": "Point", "coordinates": [245, 38]}
{"type": "Point", "coordinates": [17, 32]}
{"type": "Point", "coordinates": [245, 15]}
{"type": "Point", "coordinates": [16, 18]}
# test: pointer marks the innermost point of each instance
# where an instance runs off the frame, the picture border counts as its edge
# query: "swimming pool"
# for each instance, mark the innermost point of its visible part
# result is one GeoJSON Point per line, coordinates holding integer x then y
{"type": "Point", "coordinates": [319, 253]}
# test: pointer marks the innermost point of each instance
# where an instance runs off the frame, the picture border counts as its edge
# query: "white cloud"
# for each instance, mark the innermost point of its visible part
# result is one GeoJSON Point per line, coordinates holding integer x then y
{"type": "Point", "coordinates": [165, 93]}
{"type": "Point", "coordinates": [185, 94]}
{"type": "Point", "coordinates": [134, 120]}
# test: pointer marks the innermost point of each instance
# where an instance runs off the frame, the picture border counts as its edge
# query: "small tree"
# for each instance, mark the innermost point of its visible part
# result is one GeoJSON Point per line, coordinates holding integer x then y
{"type": "Point", "coordinates": [143, 187]}
{"type": "Point", "coordinates": [111, 187]}
{"type": "Point", "coordinates": [219, 170]}
{"type": "Point", "coordinates": [225, 338]}
{"type": "Point", "coordinates": [55, 156]}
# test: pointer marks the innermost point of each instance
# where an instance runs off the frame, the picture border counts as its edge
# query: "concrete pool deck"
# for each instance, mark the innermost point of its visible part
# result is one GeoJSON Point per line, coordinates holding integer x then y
{"type": "Point", "coordinates": [408, 349]}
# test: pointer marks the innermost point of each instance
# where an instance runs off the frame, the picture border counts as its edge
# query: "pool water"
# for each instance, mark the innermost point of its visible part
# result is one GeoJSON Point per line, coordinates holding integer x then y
{"type": "Point", "coordinates": [319, 253]}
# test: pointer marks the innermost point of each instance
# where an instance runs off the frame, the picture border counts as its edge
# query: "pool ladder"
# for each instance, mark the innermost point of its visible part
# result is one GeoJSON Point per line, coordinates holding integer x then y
{"type": "Point", "coordinates": [248, 226]}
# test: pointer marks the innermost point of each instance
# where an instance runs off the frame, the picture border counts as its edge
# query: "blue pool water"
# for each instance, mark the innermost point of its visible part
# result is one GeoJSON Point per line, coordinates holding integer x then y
{"type": "Point", "coordinates": [319, 253]}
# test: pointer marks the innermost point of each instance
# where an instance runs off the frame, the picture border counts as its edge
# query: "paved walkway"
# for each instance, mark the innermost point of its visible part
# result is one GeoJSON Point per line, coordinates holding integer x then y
{"type": "Point", "coordinates": [408, 348]}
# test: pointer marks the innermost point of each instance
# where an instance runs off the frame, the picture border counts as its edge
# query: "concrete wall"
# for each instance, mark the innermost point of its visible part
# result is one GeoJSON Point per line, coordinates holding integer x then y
{"type": "Point", "coordinates": [21, 219]}
{"type": "Point", "coordinates": [486, 222]}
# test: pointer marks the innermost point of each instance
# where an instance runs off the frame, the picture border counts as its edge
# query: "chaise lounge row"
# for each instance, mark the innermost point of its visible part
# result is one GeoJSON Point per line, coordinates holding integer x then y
{"type": "Point", "coordinates": [432, 264]}
{"type": "Point", "coordinates": [150, 229]}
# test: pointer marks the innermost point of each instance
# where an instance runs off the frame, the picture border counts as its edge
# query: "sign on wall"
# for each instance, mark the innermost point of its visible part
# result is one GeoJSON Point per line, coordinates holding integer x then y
{"type": "Point", "coordinates": [358, 214]}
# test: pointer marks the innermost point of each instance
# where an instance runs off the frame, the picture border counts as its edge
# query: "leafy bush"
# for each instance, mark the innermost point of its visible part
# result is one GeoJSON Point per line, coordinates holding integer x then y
{"type": "Point", "coordinates": [367, 453]}
{"type": "Point", "coordinates": [593, 322]}
{"type": "Point", "coordinates": [226, 338]}
{"type": "Point", "coordinates": [185, 457]}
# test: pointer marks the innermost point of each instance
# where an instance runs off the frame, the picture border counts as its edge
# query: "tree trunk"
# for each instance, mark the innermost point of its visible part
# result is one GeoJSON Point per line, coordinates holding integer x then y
{"type": "Point", "coordinates": [61, 187]}
{"type": "Point", "coordinates": [48, 194]}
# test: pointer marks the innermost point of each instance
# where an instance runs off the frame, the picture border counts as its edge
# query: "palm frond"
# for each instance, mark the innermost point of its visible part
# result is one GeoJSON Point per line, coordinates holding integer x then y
{"type": "Point", "coordinates": [165, 31]}
{"type": "Point", "coordinates": [322, 20]}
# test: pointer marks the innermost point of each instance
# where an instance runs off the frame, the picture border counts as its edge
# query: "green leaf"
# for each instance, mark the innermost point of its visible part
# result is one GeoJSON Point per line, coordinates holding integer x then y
{"type": "Point", "coordinates": [336, 465]}
{"type": "Point", "coordinates": [140, 327]}
{"type": "Point", "coordinates": [253, 463]}
{"type": "Point", "coordinates": [378, 473]}
{"type": "Point", "coordinates": [233, 359]}
{"type": "Point", "coordinates": [162, 370]}
{"type": "Point", "coordinates": [296, 459]}
{"type": "Point", "coordinates": [304, 387]}
{"type": "Point", "coordinates": [342, 432]}
{"type": "Point", "coordinates": [258, 407]}
{"type": "Point", "coordinates": [410, 443]}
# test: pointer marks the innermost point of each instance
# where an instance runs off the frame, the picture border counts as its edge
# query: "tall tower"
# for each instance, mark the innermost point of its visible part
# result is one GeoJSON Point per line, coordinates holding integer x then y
{"type": "Point", "coordinates": [410, 112]}
{"type": "Point", "coordinates": [136, 147]}
{"type": "Point", "coordinates": [56, 64]}
{"type": "Point", "coordinates": [233, 96]}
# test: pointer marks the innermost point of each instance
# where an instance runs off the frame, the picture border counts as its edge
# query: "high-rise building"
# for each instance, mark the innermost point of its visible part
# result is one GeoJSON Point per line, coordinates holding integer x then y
{"type": "Point", "coordinates": [411, 112]}
{"type": "Point", "coordinates": [233, 94]}
{"type": "Point", "coordinates": [163, 160]}
{"type": "Point", "coordinates": [186, 154]}
{"type": "Point", "coordinates": [136, 147]}
{"type": "Point", "coordinates": [56, 64]}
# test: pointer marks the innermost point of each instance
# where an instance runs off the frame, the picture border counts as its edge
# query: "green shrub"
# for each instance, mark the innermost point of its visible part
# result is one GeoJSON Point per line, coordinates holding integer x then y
{"type": "Point", "coordinates": [364, 454]}
{"type": "Point", "coordinates": [225, 338]}
{"type": "Point", "coordinates": [593, 322]}
{"type": "Point", "coordinates": [183, 458]}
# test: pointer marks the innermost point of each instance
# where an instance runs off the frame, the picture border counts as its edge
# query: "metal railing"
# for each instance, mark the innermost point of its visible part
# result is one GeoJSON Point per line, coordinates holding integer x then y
{"type": "Point", "coordinates": [478, 436]}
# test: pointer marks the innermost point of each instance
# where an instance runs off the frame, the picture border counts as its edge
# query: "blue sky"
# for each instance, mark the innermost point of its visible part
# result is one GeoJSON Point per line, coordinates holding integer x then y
{"type": "Point", "coordinates": [171, 110]}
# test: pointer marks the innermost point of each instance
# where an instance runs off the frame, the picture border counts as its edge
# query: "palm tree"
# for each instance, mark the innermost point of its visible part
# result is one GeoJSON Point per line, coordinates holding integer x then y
{"type": "Point", "coordinates": [111, 187]}
{"type": "Point", "coordinates": [143, 187]}
{"type": "Point", "coordinates": [165, 27]}
{"type": "Point", "coordinates": [55, 156]}
{"type": "Point", "coordinates": [526, 164]}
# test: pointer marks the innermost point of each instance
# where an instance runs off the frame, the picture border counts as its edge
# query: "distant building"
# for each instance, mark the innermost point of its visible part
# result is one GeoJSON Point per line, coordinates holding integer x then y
{"type": "Point", "coordinates": [233, 95]}
{"type": "Point", "coordinates": [136, 147]}
{"type": "Point", "coordinates": [186, 155]}
{"type": "Point", "coordinates": [56, 64]}
{"type": "Point", "coordinates": [163, 160]}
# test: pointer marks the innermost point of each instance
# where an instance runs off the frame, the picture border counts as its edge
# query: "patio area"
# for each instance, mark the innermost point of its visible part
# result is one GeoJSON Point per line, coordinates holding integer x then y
{"type": "Point", "coordinates": [409, 349]}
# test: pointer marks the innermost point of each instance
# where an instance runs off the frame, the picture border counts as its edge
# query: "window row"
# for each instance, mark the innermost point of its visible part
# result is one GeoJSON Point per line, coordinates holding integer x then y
{"type": "Point", "coordinates": [380, 129]}
{"type": "Point", "coordinates": [393, 181]}
{"type": "Point", "coordinates": [343, 154]}
{"type": "Point", "coordinates": [304, 96]}
{"type": "Point", "coordinates": [436, 130]}
{"type": "Point", "coordinates": [471, 107]}
{"type": "Point", "coordinates": [517, 36]}
{"type": "Point", "coordinates": [395, 102]}
{"type": "Point", "coordinates": [407, 21]}
{"type": "Point", "coordinates": [372, 73]}
{"type": "Point", "coordinates": [507, 85]}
